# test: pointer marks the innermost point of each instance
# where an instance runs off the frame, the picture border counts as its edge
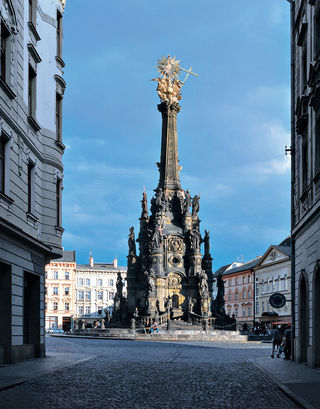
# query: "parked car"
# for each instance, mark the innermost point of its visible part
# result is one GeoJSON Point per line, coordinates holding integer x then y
{"type": "Point", "coordinates": [55, 331]}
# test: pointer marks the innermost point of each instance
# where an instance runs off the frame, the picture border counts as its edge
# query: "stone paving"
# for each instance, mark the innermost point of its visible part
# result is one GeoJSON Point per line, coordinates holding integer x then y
{"type": "Point", "coordinates": [137, 374]}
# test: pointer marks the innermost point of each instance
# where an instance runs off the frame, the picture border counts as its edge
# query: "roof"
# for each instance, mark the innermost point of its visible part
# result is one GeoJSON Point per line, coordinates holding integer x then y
{"type": "Point", "coordinates": [284, 249]}
{"type": "Point", "coordinates": [221, 270]}
{"type": "Point", "coordinates": [286, 242]}
{"type": "Point", "coordinates": [244, 267]}
{"type": "Point", "coordinates": [101, 267]}
{"type": "Point", "coordinates": [69, 256]}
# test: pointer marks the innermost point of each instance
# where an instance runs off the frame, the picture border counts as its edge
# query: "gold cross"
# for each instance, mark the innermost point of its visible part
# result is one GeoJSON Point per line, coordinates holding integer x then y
{"type": "Point", "coordinates": [188, 73]}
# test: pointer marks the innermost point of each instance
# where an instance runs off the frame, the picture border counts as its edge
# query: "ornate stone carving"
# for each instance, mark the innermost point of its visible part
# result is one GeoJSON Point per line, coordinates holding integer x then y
{"type": "Point", "coordinates": [175, 244]}
{"type": "Point", "coordinates": [174, 281]}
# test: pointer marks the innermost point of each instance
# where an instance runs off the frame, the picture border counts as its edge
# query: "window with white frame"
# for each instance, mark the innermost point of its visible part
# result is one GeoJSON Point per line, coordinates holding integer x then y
{"type": "Point", "coordinates": [66, 306]}
{"type": "Point", "coordinates": [66, 275]}
{"type": "Point", "coordinates": [88, 295]}
{"type": "Point", "coordinates": [80, 310]}
{"type": "Point", "coordinates": [111, 295]}
{"type": "Point", "coordinates": [55, 306]}
{"type": "Point", "coordinates": [55, 275]}
{"type": "Point", "coordinates": [88, 310]}
{"type": "Point", "coordinates": [66, 291]}
{"type": "Point", "coordinates": [111, 282]}
{"type": "Point", "coordinates": [99, 282]}
{"type": "Point", "coordinates": [87, 281]}
{"type": "Point", "coordinates": [100, 295]}
{"type": "Point", "coordinates": [80, 281]}
{"type": "Point", "coordinates": [55, 290]}
{"type": "Point", "coordinates": [80, 295]}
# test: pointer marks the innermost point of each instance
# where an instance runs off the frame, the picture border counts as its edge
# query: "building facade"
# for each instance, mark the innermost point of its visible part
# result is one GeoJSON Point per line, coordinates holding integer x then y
{"type": "Point", "coordinates": [60, 292]}
{"type": "Point", "coordinates": [305, 198]}
{"type": "Point", "coordinates": [96, 288]}
{"type": "Point", "coordinates": [239, 291]}
{"type": "Point", "coordinates": [31, 148]}
{"type": "Point", "coordinates": [273, 275]}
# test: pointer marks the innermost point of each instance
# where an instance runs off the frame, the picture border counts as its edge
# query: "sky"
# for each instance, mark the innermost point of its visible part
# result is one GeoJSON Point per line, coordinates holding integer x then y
{"type": "Point", "coordinates": [232, 128]}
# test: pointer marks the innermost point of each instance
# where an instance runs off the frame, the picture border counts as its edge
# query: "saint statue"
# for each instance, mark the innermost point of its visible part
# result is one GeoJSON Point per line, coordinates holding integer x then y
{"type": "Point", "coordinates": [132, 242]}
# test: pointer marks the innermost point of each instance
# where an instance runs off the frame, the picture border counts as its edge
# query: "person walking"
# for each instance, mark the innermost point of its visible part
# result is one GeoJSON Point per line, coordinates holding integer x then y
{"type": "Point", "coordinates": [287, 348]}
{"type": "Point", "coordinates": [276, 340]}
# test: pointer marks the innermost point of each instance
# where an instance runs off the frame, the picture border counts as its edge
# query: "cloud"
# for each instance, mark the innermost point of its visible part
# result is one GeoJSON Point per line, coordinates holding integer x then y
{"type": "Point", "coordinates": [268, 168]}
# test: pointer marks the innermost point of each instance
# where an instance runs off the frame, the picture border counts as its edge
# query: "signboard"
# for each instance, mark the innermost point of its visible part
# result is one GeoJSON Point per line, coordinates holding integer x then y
{"type": "Point", "coordinates": [277, 300]}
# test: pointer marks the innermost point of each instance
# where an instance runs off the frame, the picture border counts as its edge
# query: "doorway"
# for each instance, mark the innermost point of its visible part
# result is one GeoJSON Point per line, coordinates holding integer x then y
{"type": "Point", "coordinates": [5, 313]}
{"type": "Point", "coordinates": [303, 319]}
{"type": "Point", "coordinates": [316, 317]}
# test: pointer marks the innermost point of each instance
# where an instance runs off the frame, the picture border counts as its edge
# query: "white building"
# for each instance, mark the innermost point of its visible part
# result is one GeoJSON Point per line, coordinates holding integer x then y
{"type": "Point", "coordinates": [96, 288]}
{"type": "Point", "coordinates": [305, 198]}
{"type": "Point", "coordinates": [273, 275]}
{"type": "Point", "coordinates": [31, 148]}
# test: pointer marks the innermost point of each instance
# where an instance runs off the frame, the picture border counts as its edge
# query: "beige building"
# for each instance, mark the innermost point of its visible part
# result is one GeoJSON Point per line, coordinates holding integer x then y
{"type": "Point", "coordinates": [273, 275]}
{"type": "Point", "coordinates": [60, 292]}
{"type": "Point", "coordinates": [96, 288]}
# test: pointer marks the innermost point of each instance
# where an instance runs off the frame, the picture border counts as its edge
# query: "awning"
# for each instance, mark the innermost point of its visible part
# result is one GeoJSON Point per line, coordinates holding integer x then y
{"type": "Point", "coordinates": [281, 322]}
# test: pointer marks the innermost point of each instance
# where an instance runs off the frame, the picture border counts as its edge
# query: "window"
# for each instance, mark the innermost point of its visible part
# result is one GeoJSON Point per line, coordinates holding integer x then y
{"type": "Point", "coordinates": [100, 295]}
{"type": "Point", "coordinates": [244, 279]}
{"type": "Point", "coordinates": [32, 92]}
{"type": "Point", "coordinates": [304, 67]}
{"type": "Point", "coordinates": [249, 293]}
{"type": "Point", "coordinates": [249, 311]}
{"type": "Point", "coordinates": [243, 312]}
{"type": "Point", "coordinates": [45, 305]}
{"type": "Point", "coordinates": [66, 275]}
{"type": "Point", "coordinates": [59, 117]}
{"type": "Point", "coordinates": [230, 282]}
{"type": "Point", "coordinates": [111, 296]}
{"type": "Point", "coordinates": [58, 202]}
{"type": "Point", "coordinates": [236, 312]}
{"type": "Point", "coordinates": [55, 290]}
{"type": "Point", "coordinates": [80, 295]}
{"type": "Point", "coordinates": [55, 275]}
{"type": "Point", "coordinates": [4, 52]}
{"type": "Point", "coordinates": [66, 291]}
{"type": "Point", "coordinates": [88, 295]}
{"type": "Point", "coordinates": [59, 34]}
{"type": "Point", "coordinates": [100, 281]}
{"type": "Point", "coordinates": [257, 308]}
{"type": "Point", "coordinates": [236, 281]}
{"type": "Point", "coordinates": [317, 142]}
{"type": "Point", "coordinates": [31, 172]}
{"type": "Point", "coordinates": [88, 310]}
{"type": "Point", "coordinates": [244, 293]}
{"type": "Point", "coordinates": [2, 163]}
{"type": "Point", "coordinates": [277, 285]}
{"type": "Point", "coordinates": [111, 282]}
{"type": "Point", "coordinates": [32, 12]}
{"type": "Point", "coordinates": [87, 281]}
{"type": "Point", "coordinates": [80, 310]}
{"type": "Point", "coordinates": [55, 306]}
{"type": "Point", "coordinates": [262, 306]}
{"type": "Point", "coordinates": [236, 295]}
{"type": "Point", "coordinates": [66, 306]}
{"type": "Point", "coordinates": [80, 281]}
{"type": "Point", "coordinates": [229, 297]}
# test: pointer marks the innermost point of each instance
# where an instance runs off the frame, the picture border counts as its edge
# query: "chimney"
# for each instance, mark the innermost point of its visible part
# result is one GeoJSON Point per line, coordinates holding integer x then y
{"type": "Point", "coordinates": [115, 263]}
{"type": "Point", "coordinates": [90, 259]}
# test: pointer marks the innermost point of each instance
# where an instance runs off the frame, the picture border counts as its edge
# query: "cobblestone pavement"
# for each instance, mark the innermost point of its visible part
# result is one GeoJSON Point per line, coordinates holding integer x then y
{"type": "Point", "coordinates": [133, 374]}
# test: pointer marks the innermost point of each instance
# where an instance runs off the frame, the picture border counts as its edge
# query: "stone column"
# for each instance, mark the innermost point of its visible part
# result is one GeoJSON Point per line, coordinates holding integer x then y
{"type": "Point", "coordinates": [169, 166]}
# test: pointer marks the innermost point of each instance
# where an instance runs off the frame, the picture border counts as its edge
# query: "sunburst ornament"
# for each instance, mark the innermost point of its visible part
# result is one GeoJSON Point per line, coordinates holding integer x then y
{"type": "Point", "coordinates": [168, 67]}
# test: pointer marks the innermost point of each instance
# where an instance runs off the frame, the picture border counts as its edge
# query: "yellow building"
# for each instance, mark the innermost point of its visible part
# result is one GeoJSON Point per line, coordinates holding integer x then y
{"type": "Point", "coordinates": [60, 292]}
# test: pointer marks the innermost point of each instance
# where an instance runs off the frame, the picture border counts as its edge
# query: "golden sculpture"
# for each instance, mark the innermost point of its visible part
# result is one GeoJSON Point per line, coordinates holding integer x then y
{"type": "Point", "coordinates": [169, 85]}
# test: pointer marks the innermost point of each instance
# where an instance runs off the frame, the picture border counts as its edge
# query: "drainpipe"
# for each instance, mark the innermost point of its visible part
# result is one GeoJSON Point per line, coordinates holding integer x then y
{"type": "Point", "coordinates": [293, 280]}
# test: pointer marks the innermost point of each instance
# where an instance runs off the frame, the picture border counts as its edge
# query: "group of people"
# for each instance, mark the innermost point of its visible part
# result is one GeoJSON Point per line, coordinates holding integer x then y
{"type": "Point", "coordinates": [150, 328]}
{"type": "Point", "coordinates": [281, 341]}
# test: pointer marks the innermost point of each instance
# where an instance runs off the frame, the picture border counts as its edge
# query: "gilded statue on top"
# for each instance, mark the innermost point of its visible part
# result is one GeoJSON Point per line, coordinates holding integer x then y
{"type": "Point", "coordinates": [169, 84]}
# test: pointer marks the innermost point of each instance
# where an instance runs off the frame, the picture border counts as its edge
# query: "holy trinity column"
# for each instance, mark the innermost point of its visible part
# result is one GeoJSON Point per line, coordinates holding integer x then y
{"type": "Point", "coordinates": [169, 274]}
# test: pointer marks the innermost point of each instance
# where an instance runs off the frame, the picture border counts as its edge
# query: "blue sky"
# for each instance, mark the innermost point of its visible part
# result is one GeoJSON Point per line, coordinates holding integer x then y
{"type": "Point", "coordinates": [232, 128]}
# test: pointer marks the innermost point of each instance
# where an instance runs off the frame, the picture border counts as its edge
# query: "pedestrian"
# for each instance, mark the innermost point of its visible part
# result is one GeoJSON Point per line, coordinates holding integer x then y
{"type": "Point", "coordinates": [287, 338]}
{"type": "Point", "coordinates": [276, 340]}
{"type": "Point", "coordinates": [147, 327]}
{"type": "Point", "coordinates": [154, 327]}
